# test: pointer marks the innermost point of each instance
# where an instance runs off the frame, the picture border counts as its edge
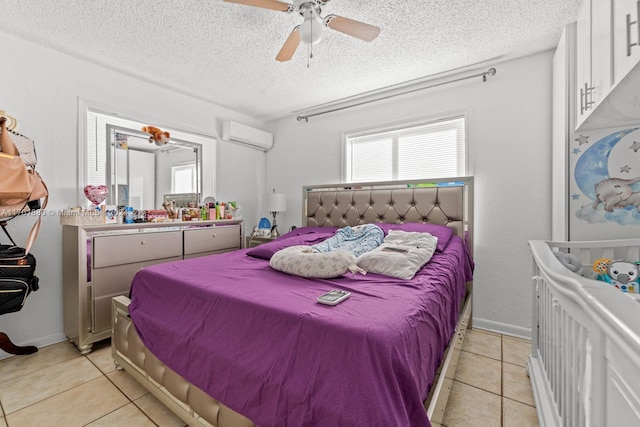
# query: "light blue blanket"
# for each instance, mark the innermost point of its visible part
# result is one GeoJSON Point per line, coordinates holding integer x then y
{"type": "Point", "coordinates": [357, 240]}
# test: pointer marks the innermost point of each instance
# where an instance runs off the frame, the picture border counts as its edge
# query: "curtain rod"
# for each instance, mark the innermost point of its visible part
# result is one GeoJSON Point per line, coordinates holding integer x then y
{"type": "Point", "coordinates": [489, 72]}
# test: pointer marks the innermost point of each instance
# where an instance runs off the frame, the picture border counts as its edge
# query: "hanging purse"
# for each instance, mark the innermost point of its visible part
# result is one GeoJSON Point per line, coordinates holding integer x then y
{"type": "Point", "coordinates": [21, 188]}
{"type": "Point", "coordinates": [15, 185]}
{"type": "Point", "coordinates": [17, 276]}
{"type": "Point", "coordinates": [14, 179]}
{"type": "Point", "coordinates": [26, 147]}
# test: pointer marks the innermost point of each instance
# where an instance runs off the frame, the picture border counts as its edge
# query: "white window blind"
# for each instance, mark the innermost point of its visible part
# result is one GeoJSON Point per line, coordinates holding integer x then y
{"type": "Point", "coordinates": [425, 150]}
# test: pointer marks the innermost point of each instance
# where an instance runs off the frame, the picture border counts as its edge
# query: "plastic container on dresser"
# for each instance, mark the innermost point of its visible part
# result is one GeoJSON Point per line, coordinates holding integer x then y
{"type": "Point", "coordinates": [100, 260]}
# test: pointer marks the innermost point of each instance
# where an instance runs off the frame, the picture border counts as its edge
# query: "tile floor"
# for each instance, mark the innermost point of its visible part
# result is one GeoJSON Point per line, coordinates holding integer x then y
{"type": "Point", "coordinates": [59, 387]}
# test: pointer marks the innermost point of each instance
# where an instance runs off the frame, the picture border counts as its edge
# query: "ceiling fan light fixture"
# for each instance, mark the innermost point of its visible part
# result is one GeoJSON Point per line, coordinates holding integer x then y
{"type": "Point", "coordinates": [311, 30]}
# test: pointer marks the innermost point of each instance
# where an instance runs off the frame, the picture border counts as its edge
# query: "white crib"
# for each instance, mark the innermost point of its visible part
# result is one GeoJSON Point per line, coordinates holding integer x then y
{"type": "Point", "coordinates": [585, 360]}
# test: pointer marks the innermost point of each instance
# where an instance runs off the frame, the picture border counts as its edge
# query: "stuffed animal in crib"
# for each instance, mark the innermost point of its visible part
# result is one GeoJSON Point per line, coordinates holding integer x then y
{"type": "Point", "coordinates": [158, 136]}
{"type": "Point", "coordinates": [619, 273]}
{"type": "Point", "coordinates": [570, 261]}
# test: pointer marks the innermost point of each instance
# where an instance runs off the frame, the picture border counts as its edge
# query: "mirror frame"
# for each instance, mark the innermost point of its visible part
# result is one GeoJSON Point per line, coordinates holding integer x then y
{"type": "Point", "coordinates": [208, 142]}
{"type": "Point", "coordinates": [113, 129]}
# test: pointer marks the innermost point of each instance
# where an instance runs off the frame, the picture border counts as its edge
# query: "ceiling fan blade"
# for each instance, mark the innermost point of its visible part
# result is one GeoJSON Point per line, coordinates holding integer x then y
{"type": "Point", "coordinates": [352, 27]}
{"type": "Point", "coordinates": [290, 46]}
{"type": "Point", "coordinates": [265, 4]}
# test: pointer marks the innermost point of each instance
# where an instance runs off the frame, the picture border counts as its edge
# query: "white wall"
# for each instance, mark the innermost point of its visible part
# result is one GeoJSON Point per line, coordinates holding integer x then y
{"type": "Point", "coordinates": [41, 88]}
{"type": "Point", "coordinates": [509, 122]}
{"type": "Point", "coordinates": [509, 139]}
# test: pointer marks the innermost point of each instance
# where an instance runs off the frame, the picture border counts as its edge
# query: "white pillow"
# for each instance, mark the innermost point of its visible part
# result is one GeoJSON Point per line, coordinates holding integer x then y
{"type": "Point", "coordinates": [401, 255]}
{"type": "Point", "coordinates": [305, 261]}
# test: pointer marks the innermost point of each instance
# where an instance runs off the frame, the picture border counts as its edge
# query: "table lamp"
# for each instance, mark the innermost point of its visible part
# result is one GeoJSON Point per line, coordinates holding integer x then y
{"type": "Point", "coordinates": [276, 202]}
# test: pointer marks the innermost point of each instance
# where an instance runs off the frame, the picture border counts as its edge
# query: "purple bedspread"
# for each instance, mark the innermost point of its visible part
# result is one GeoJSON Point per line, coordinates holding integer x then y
{"type": "Point", "coordinates": [255, 338]}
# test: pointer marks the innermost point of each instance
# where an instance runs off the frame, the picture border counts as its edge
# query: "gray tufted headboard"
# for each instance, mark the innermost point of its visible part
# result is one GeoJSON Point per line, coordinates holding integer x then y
{"type": "Point", "coordinates": [436, 201]}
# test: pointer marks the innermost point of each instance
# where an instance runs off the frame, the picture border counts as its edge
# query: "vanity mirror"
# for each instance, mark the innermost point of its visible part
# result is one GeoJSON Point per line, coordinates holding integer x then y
{"type": "Point", "coordinates": [113, 151]}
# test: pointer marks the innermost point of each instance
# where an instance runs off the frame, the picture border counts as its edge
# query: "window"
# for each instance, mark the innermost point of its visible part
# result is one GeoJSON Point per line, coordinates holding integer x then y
{"type": "Point", "coordinates": [423, 150]}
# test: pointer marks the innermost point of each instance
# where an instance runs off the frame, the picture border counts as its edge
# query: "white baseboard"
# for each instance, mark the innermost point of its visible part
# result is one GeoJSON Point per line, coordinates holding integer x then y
{"type": "Point", "coordinates": [38, 342]}
{"type": "Point", "coordinates": [502, 328]}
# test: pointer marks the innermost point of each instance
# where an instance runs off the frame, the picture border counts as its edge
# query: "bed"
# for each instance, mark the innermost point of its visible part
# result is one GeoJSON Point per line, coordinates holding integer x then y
{"type": "Point", "coordinates": [260, 349]}
{"type": "Point", "coordinates": [584, 365]}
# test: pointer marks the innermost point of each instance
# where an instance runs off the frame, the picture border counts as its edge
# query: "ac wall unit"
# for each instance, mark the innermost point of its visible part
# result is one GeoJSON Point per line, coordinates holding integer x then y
{"type": "Point", "coordinates": [234, 131]}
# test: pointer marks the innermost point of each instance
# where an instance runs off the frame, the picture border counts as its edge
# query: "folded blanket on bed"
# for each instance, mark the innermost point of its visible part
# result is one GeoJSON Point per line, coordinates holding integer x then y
{"type": "Point", "coordinates": [357, 240]}
{"type": "Point", "coordinates": [401, 255]}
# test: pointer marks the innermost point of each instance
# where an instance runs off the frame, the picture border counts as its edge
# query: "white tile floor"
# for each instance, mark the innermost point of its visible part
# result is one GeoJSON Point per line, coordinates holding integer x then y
{"type": "Point", "coordinates": [59, 387]}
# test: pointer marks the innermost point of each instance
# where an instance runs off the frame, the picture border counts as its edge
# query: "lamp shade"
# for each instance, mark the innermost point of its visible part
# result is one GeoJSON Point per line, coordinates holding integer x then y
{"type": "Point", "coordinates": [276, 202]}
{"type": "Point", "coordinates": [311, 30]}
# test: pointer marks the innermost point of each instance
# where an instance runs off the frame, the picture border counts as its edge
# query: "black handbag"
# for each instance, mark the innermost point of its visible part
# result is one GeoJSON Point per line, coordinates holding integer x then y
{"type": "Point", "coordinates": [17, 277]}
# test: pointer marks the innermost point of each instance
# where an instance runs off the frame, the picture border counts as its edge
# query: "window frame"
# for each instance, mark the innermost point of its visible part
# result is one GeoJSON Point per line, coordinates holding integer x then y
{"type": "Point", "coordinates": [398, 125]}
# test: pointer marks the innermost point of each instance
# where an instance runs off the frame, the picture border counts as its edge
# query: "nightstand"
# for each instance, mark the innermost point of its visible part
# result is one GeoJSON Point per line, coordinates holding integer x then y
{"type": "Point", "coordinates": [253, 241]}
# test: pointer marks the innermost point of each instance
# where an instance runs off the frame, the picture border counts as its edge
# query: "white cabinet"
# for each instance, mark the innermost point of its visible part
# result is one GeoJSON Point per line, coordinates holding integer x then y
{"type": "Point", "coordinates": [607, 58]}
{"type": "Point", "coordinates": [601, 54]}
{"type": "Point", "coordinates": [583, 62]}
{"type": "Point", "coordinates": [99, 262]}
{"type": "Point", "coordinates": [626, 36]}
{"type": "Point", "coordinates": [593, 57]}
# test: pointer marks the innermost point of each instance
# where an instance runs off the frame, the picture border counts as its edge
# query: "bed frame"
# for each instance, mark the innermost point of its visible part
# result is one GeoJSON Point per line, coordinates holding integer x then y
{"type": "Point", "coordinates": [585, 358]}
{"type": "Point", "coordinates": [437, 201]}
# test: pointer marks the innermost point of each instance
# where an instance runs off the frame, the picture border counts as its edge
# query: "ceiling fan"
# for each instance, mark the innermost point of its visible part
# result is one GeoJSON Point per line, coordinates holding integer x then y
{"type": "Point", "coordinates": [310, 31]}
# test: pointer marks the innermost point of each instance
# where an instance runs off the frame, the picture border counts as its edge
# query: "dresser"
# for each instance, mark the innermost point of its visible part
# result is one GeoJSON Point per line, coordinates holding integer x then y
{"type": "Point", "coordinates": [99, 262]}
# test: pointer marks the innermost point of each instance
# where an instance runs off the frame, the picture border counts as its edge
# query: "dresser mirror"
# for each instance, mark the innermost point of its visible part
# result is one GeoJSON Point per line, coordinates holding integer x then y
{"type": "Point", "coordinates": [115, 152]}
{"type": "Point", "coordinates": [140, 173]}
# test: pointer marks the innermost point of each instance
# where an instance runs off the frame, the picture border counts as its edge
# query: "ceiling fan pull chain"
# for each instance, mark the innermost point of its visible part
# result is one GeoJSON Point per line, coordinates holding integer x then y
{"type": "Point", "coordinates": [310, 47]}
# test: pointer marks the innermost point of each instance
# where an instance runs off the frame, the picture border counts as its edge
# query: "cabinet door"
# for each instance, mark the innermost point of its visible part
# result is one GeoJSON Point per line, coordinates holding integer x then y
{"type": "Point", "coordinates": [601, 54]}
{"type": "Point", "coordinates": [583, 61]}
{"type": "Point", "coordinates": [626, 37]}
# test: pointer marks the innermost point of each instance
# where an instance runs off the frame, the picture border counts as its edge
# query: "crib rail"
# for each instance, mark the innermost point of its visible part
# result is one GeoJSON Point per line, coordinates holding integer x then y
{"type": "Point", "coordinates": [585, 360]}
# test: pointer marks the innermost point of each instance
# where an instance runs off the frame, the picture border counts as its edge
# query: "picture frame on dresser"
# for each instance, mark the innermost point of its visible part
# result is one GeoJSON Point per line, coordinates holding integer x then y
{"type": "Point", "coordinates": [100, 261]}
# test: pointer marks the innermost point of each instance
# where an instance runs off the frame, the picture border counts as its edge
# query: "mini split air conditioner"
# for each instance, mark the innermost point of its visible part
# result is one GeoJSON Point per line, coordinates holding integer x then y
{"type": "Point", "coordinates": [256, 138]}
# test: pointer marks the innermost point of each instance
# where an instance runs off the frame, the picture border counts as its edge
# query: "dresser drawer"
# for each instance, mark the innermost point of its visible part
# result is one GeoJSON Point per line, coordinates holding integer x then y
{"type": "Point", "coordinates": [118, 278]}
{"type": "Point", "coordinates": [211, 239]}
{"type": "Point", "coordinates": [139, 247]}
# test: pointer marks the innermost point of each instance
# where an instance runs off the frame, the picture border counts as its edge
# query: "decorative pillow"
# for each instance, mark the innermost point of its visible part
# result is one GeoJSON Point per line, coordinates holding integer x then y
{"type": "Point", "coordinates": [442, 232]}
{"type": "Point", "coordinates": [304, 261]}
{"type": "Point", "coordinates": [401, 255]}
{"type": "Point", "coordinates": [299, 236]}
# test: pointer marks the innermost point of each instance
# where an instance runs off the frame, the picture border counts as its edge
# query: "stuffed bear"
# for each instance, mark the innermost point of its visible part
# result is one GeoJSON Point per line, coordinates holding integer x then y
{"type": "Point", "coordinates": [619, 273]}
{"type": "Point", "coordinates": [158, 136]}
{"type": "Point", "coordinates": [569, 261]}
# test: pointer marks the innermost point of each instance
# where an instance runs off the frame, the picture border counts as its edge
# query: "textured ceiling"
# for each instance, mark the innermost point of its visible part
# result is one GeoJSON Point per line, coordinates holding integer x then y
{"type": "Point", "coordinates": [225, 53]}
